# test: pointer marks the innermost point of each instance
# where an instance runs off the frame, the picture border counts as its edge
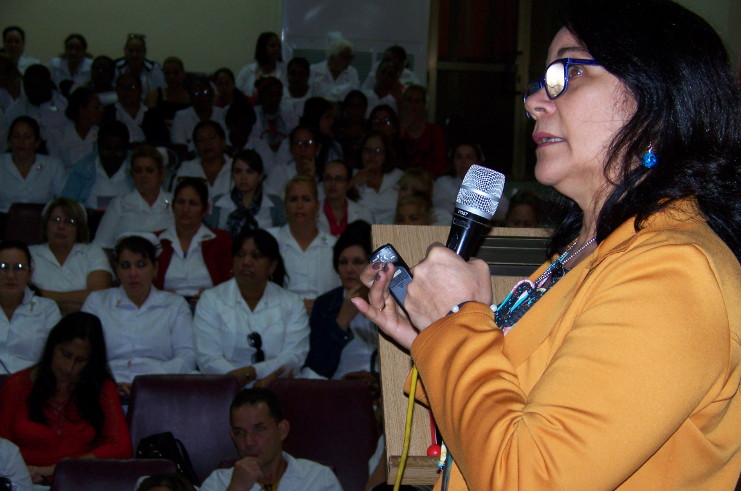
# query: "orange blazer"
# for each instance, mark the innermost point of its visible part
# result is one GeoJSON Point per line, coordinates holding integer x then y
{"type": "Point", "coordinates": [624, 375]}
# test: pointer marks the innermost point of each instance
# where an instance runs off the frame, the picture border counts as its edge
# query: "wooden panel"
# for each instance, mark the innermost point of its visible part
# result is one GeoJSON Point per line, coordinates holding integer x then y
{"type": "Point", "coordinates": [412, 242]}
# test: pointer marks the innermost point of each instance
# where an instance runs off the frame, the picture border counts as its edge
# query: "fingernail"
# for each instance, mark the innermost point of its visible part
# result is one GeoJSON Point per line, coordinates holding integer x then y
{"type": "Point", "coordinates": [386, 267]}
{"type": "Point", "coordinates": [377, 277]}
{"type": "Point", "coordinates": [376, 265]}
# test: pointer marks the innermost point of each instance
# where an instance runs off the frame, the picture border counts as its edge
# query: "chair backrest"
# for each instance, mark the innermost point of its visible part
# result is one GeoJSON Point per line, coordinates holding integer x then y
{"type": "Point", "coordinates": [332, 422]}
{"type": "Point", "coordinates": [106, 474]}
{"type": "Point", "coordinates": [195, 408]}
{"type": "Point", "coordinates": [3, 378]}
{"type": "Point", "coordinates": [24, 223]}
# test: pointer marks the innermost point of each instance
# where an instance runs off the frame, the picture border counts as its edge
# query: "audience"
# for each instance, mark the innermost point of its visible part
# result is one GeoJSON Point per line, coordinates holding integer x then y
{"type": "Point", "coordinates": [258, 430]}
{"type": "Point", "coordinates": [320, 116]}
{"type": "Point", "coordinates": [250, 326]}
{"type": "Point", "coordinates": [248, 205]}
{"type": "Point", "coordinates": [398, 55]}
{"type": "Point", "coordinates": [74, 66]}
{"type": "Point", "coordinates": [387, 88]}
{"type": "Point", "coordinates": [377, 180]}
{"type": "Point", "coordinates": [66, 405]}
{"type": "Point", "coordinates": [75, 140]}
{"type": "Point", "coordinates": [104, 174]}
{"type": "Point", "coordinates": [340, 206]}
{"type": "Point", "coordinates": [14, 43]}
{"type": "Point", "coordinates": [297, 90]}
{"type": "Point", "coordinates": [201, 109]}
{"type": "Point", "coordinates": [174, 96]}
{"type": "Point", "coordinates": [227, 92]}
{"type": "Point", "coordinates": [525, 210]}
{"type": "Point", "coordinates": [26, 318]}
{"type": "Point", "coordinates": [145, 125]}
{"type": "Point", "coordinates": [67, 267]}
{"type": "Point", "coordinates": [211, 162]}
{"type": "Point", "coordinates": [40, 101]}
{"type": "Point", "coordinates": [419, 182]}
{"type": "Point", "coordinates": [304, 148]}
{"type": "Point", "coordinates": [147, 331]}
{"type": "Point", "coordinates": [343, 341]}
{"type": "Point", "coordinates": [26, 175]}
{"type": "Point", "coordinates": [193, 256]}
{"type": "Point", "coordinates": [424, 142]}
{"type": "Point", "coordinates": [146, 209]}
{"type": "Point", "coordinates": [335, 77]}
{"type": "Point", "coordinates": [273, 124]}
{"type": "Point", "coordinates": [384, 119]}
{"type": "Point", "coordinates": [306, 250]}
{"type": "Point", "coordinates": [268, 63]}
{"type": "Point", "coordinates": [352, 125]}
{"type": "Point", "coordinates": [102, 75]}
{"type": "Point", "coordinates": [135, 61]}
{"type": "Point", "coordinates": [414, 209]}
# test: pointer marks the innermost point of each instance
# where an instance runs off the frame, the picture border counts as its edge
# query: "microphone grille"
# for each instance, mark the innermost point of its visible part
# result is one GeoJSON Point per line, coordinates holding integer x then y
{"type": "Point", "coordinates": [481, 190]}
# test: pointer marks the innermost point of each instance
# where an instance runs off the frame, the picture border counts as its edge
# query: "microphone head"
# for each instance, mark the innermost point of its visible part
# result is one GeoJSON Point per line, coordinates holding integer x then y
{"type": "Point", "coordinates": [481, 190]}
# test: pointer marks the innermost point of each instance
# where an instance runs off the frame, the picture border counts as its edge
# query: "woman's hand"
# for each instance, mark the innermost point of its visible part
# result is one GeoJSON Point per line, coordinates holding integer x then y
{"type": "Point", "coordinates": [308, 305]}
{"type": "Point", "coordinates": [41, 474]}
{"type": "Point", "coordinates": [244, 375]}
{"type": "Point", "coordinates": [442, 280]}
{"type": "Point", "coordinates": [124, 389]}
{"type": "Point", "coordinates": [348, 310]}
{"type": "Point", "coordinates": [266, 381]}
{"type": "Point", "coordinates": [381, 308]}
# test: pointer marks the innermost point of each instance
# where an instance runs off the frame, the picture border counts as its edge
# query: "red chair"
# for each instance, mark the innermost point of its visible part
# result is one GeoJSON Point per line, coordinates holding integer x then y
{"type": "Point", "coordinates": [195, 408]}
{"type": "Point", "coordinates": [332, 421]}
{"type": "Point", "coordinates": [106, 474]}
{"type": "Point", "coordinates": [24, 223]}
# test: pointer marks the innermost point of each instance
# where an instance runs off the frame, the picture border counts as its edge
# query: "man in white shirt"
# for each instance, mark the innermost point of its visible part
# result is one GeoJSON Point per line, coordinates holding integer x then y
{"type": "Point", "coordinates": [257, 431]}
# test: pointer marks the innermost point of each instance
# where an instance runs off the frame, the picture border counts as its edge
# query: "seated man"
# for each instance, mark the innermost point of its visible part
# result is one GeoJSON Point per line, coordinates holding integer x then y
{"type": "Point", "coordinates": [258, 431]}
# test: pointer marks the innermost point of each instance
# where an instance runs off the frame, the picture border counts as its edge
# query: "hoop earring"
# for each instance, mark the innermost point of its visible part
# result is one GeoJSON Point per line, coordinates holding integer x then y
{"type": "Point", "coordinates": [649, 159]}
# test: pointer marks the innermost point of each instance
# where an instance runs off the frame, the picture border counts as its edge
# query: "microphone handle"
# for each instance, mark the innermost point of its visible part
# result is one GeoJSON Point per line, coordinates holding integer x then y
{"type": "Point", "coordinates": [465, 234]}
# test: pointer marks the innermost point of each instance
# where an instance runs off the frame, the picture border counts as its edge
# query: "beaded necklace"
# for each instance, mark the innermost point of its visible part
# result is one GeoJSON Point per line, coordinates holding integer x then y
{"type": "Point", "coordinates": [526, 293]}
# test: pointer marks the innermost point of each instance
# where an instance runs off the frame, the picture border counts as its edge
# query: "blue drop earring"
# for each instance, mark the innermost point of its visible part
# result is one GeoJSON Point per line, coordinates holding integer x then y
{"type": "Point", "coordinates": [649, 159]}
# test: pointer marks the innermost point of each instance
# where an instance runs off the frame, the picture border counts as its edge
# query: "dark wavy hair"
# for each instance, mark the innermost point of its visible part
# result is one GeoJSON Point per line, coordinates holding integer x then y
{"type": "Point", "coordinates": [268, 247]}
{"type": "Point", "coordinates": [261, 48]}
{"type": "Point", "coordinates": [357, 233]}
{"type": "Point", "coordinates": [86, 394]}
{"type": "Point", "coordinates": [688, 108]}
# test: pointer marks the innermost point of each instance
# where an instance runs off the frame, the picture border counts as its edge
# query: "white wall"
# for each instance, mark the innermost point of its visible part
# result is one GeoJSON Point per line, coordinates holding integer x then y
{"type": "Point", "coordinates": [205, 34]}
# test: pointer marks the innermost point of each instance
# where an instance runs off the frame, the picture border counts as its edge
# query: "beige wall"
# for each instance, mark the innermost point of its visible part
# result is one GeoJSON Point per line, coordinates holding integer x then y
{"type": "Point", "coordinates": [205, 34]}
{"type": "Point", "coordinates": [725, 17]}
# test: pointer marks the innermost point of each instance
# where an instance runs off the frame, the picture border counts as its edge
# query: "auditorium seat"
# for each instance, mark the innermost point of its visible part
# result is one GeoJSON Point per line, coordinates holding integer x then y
{"type": "Point", "coordinates": [195, 408]}
{"type": "Point", "coordinates": [24, 223]}
{"type": "Point", "coordinates": [332, 421]}
{"type": "Point", "coordinates": [106, 474]}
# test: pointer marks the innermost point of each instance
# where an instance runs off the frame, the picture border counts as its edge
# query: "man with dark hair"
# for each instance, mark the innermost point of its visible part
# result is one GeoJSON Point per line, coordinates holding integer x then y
{"type": "Point", "coordinates": [258, 430]}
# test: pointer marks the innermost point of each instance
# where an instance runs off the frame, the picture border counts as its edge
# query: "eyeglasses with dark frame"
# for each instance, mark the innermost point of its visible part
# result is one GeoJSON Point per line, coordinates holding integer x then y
{"type": "Point", "coordinates": [6, 268]}
{"type": "Point", "coordinates": [555, 80]}
{"type": "Point", "coordinates": [255, 341]}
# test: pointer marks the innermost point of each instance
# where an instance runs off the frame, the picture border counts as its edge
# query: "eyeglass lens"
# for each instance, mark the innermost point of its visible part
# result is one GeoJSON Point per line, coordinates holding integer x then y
{"type": "Point", "coordinates": [16, 268]}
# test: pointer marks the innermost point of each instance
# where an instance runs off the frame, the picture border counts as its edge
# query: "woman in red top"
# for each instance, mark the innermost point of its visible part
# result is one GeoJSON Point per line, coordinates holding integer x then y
{"type": "Point", "coordinates": [424, 142]}
{"type": "Point", "coordinates": [66, 406]}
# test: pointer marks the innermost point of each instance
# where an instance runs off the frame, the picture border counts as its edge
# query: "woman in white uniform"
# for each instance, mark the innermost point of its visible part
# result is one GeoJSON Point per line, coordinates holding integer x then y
{"type": "Point", "coordinates": [250, 327]}
{"type": "Point", "coordinates": [27, 176]}
{"type": "Point", "coordinates": [378, 179]}
{"type": "Point", "coordinates": [306, 250]}
{"type": "Point", "coordinates": [67, 266]}
{"type": "Point", "coordinates": [268, 63]}
{"type": "Point", "coordinates": [146, 209]}
{"type": "Point", "coordinates": [147, 331]}
{"type": "Point", "coordinates": [26, 319]}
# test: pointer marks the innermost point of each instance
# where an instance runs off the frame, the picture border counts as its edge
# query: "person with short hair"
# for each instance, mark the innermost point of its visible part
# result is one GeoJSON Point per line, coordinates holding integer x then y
{"type": "Point", "coordinates": [26, 318]}
{"type": "Point", "coordinates": [28, 176]}
{"type": "Point", "coordinates": [67, 266]}
{"type": "Point", "coordinates": [258, 430]}
{"type": "Point", "coordinates": [335, 77]}
{"type": "Point", "coordinates": [146, 208]}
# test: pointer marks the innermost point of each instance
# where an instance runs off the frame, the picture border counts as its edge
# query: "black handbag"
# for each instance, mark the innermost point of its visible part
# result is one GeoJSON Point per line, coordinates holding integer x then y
{"type": "Point", "coordinates": [166, 446]}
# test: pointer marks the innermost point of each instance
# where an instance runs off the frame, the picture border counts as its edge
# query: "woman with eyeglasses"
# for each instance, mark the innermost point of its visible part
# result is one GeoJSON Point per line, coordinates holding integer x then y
{"type": "Point", "coordinates": [147, 330]}
{"type": "Point", "coordinates": [377, 181]}
{"type": "Point", "coordinates": [201, 110]}
{"type": "Point", "coordinates": [306, 250]}
{"type": "Point", "coordinates": [26, 318]}
{"type": "Point", "coordinates": [248, 205]}
{"type": "Point", "coordinates": [146, 209]}
{"type": "Point", "coordinates": [67, 266]}
{"type": "Point", "coordinates": [65, 406]}
{"type": "Point", "coordinates": [384, 119]}
{"type": "Point", "coordinates": [251, 327]}
{"type": "Point", "coordinates": [304, 151]}
{"type": "Point", "coordinates": [617, 364]}
{"type": "Point", "coordinates": [340, 205]}
{"type": "Point", "coordinates": [28, 176]}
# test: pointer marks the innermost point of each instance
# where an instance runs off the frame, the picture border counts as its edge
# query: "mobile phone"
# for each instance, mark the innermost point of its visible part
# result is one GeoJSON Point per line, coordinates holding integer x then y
{"type": "Point", "coordinates": [402, 274]}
